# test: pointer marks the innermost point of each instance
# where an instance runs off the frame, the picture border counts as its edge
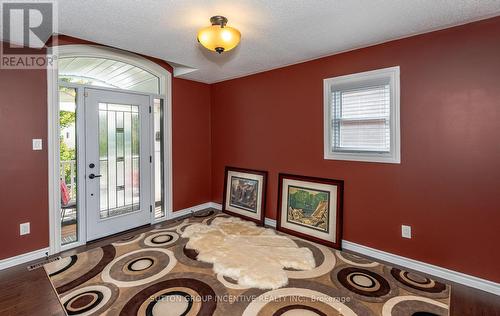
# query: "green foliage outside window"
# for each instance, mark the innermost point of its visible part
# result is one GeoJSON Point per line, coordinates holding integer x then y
{"type": "Point", "coordinates": [66, 119]}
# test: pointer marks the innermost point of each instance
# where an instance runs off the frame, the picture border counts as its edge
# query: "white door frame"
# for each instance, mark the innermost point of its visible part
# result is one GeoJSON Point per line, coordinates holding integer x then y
{"type": "Point", "coordinates": [53, 132]}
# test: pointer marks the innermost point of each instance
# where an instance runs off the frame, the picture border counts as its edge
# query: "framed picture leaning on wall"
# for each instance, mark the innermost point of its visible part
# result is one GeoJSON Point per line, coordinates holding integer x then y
{"type": "Point", "coordinates": [311, 208]}
{"type": "Point", "coordinates": [245, 194]}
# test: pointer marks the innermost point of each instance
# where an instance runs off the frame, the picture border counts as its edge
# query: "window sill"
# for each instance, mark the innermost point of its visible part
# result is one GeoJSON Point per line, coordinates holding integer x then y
{"type": "Point", "coordinates": [364, 157]}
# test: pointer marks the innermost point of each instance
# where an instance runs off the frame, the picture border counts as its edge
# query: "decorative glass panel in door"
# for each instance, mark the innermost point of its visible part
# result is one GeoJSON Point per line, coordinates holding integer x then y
{"type": "Point", "coordinates": [117, 157]}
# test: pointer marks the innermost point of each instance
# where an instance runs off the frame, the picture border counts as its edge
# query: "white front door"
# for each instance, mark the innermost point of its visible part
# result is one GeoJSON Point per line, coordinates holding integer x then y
{"type": "Point", "coordinates": [117, 158]}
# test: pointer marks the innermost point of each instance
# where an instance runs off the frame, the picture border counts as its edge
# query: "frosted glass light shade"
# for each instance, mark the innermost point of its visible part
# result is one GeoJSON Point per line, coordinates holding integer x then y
{"type": "Point", "coordinates": [219, 39]}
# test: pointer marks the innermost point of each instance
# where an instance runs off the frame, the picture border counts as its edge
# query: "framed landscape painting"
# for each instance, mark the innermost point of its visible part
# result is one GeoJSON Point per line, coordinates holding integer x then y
{"type": "Point", "coordinates": [311, 208]}
{"type": "Point", "coordinates": [245, 193]}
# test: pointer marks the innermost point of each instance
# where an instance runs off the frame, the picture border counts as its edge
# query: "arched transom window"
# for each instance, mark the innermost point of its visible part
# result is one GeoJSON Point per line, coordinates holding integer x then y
{"type": "Point", "coordinates": [108, 73]}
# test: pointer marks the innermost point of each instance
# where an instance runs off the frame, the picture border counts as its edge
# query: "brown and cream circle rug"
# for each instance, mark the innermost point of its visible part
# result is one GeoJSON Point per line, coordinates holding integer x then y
{"type": "Point", "coordinates": [154, 273]}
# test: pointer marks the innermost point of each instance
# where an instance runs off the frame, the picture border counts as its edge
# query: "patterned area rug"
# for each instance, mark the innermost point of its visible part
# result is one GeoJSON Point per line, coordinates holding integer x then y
{"type": "Point", "coordinates": [154, 274]}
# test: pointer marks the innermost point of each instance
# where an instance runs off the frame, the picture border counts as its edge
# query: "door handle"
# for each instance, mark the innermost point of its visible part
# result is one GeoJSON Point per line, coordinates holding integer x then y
{"type": "Point", "coordinates": [92, 176]}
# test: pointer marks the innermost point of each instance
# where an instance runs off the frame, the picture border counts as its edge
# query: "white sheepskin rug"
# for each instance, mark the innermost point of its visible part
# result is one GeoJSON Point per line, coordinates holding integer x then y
{"type": "Point", "coordinates": [254, 256]}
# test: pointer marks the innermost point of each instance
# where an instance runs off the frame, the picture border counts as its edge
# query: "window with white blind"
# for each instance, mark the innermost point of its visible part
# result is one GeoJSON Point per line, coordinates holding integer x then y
{"type": "Point", "coordinates": [362, 116]}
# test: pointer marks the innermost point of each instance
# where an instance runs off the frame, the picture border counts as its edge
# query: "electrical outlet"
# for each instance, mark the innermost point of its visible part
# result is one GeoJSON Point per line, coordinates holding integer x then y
{"type": "Point", "coordinates": [406, 231]}
{"type": "Point", "coordinates": [37, 144]}
{"type": "Point", "coordinates": [24, 228]}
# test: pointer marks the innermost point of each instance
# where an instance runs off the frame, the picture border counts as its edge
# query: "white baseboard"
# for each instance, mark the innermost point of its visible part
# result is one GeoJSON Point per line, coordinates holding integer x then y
{"type": "Point", "coordinates": [267, 221]}
{"type": "Point", "coordinates": [270, 222]}
{"type": "Point", "coordinates": [25, 257]}
{"type": "Point", "coordinates": [189, 210]}
{"type": "Point", "coordinates": [447, 274]}
{"type": "Point", "coordinates": [216, 206]}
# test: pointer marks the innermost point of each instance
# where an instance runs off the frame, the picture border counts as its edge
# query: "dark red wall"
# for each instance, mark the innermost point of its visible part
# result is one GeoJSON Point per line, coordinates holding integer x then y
{"type": "Point", "coordinates": [447, 186]}
{"type": "Point", "coordinates": [191, 143]}
{"type": "Point", "coordinates": [23, 172]}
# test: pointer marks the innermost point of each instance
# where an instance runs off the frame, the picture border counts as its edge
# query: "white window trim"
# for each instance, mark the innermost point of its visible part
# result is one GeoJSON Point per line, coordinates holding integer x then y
{"type": "Point", "coordinates": [394, 156]}
{"type": "Point", "coordinates": [81, 50]}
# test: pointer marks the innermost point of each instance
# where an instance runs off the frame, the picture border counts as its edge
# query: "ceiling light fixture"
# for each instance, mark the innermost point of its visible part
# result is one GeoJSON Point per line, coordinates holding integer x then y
{"type": "Point", "coordinates": [218, 37]}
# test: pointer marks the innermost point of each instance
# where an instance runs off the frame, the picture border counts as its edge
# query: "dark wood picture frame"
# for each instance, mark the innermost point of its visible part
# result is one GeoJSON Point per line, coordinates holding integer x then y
{"type": "Point", "coordinates": [338, 216]}
{"type": "Point", "coordinates": [259, 221]}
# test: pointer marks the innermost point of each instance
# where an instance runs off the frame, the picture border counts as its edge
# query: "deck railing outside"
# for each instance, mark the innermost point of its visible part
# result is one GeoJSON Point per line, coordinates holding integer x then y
{"type": "Point", "coordinates": [68, 175]}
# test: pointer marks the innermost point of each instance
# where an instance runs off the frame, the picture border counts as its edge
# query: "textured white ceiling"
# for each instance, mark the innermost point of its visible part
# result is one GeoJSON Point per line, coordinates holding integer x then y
{"type": "Point", "coordinates": [274, 32]}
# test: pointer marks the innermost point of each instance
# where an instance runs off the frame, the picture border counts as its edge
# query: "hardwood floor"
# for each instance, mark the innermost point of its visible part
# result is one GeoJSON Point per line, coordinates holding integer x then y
{"type": "Point", "coordinates": [467, 301]}
{"type": "Point", "coordinates": [30, 293]}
